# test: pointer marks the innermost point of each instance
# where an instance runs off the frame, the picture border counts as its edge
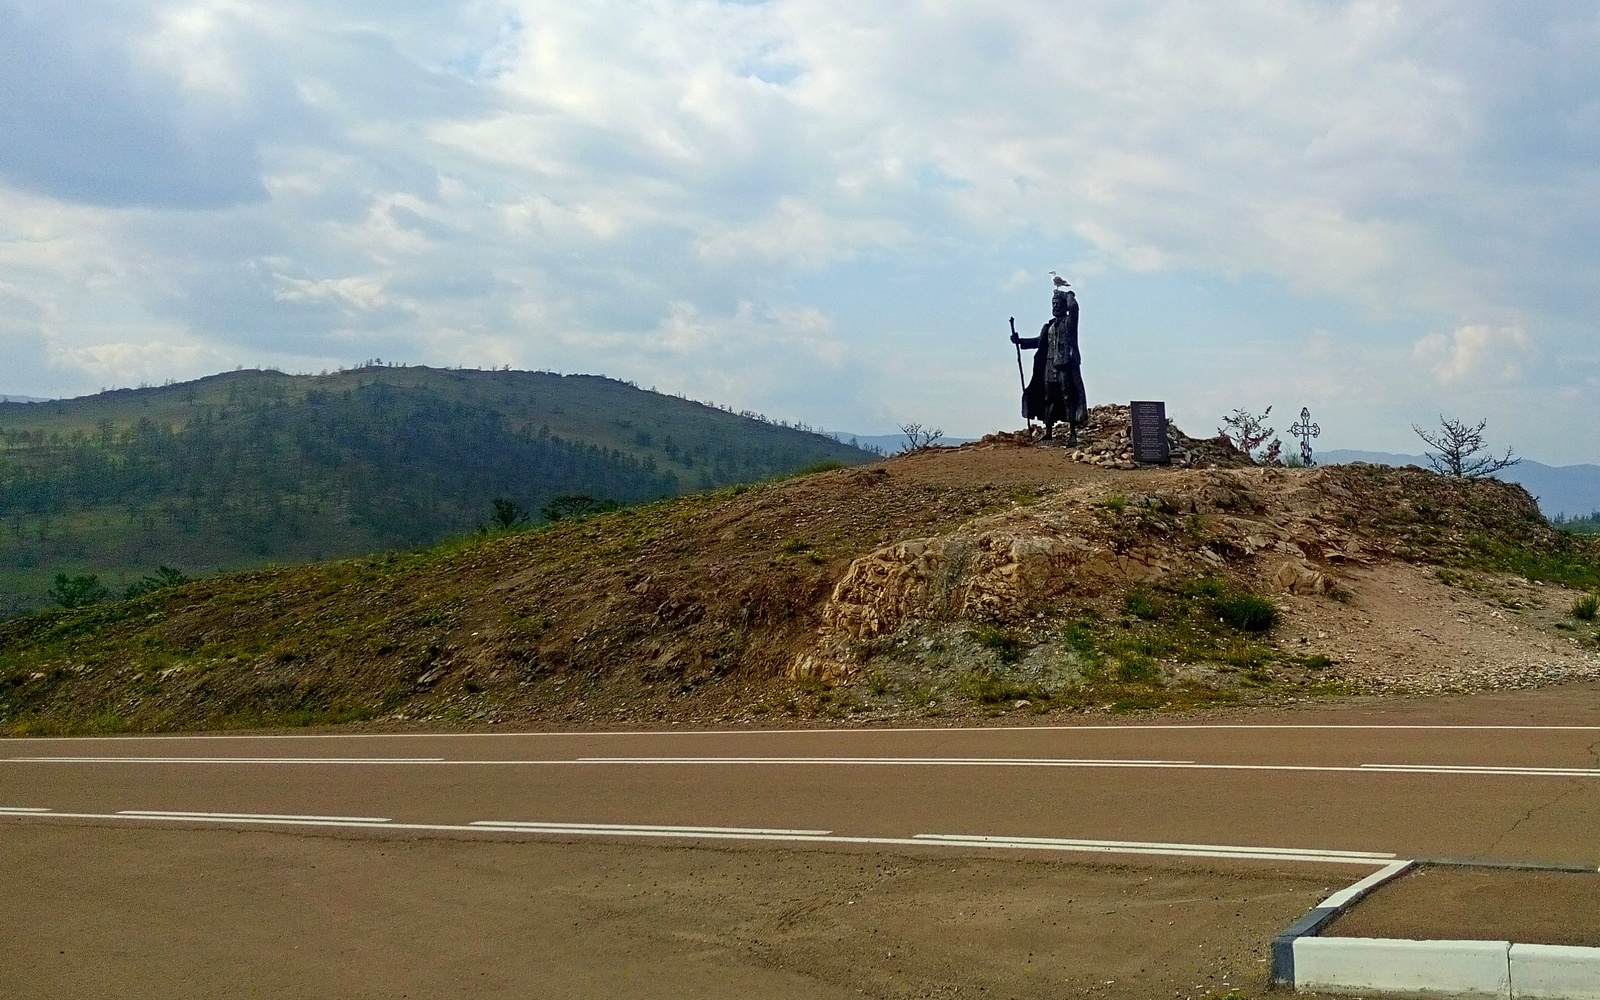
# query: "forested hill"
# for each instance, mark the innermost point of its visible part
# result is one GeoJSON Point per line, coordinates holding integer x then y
{"type": "Point", "coordinates": [250, 467]}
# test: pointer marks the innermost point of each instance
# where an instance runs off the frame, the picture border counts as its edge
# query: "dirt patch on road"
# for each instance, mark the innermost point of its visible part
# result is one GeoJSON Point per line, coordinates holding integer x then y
{"type": "Point", "coordinates": [203, 913]}
{"type": "Point", "coordinates": [1438, 903]}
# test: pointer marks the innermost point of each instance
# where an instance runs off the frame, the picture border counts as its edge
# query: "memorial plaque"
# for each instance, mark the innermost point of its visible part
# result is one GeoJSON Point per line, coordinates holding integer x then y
{"type": "Point", "coordinates": [1150, 432]}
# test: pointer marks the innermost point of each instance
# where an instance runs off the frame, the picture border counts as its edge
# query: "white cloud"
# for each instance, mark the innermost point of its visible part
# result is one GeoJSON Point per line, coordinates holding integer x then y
{"type": "Point", "coordinates": [532, 182]}
{"type": "Point", "coordinates": [1486, 353]}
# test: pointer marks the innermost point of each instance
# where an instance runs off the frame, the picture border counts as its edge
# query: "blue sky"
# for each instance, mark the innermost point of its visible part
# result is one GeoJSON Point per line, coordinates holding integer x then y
{"type": "Point", "coordinates": [823, 210]}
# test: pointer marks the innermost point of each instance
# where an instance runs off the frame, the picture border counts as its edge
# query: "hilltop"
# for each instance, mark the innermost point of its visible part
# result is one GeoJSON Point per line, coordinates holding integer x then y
{"type": "Point", "coordinates": [252, 467]}
{"type": "Point", "coordinates": [1001, 576]}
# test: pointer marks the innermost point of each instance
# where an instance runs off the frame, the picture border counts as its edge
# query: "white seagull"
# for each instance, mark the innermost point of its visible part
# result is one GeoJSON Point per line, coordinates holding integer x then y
{"type": "Point", "coordinates": [1058, 280]}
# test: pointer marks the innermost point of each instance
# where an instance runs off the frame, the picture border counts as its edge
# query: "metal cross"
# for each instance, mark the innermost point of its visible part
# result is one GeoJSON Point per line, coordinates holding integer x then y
{"type": "Point", "coordinates": [1305, 430]}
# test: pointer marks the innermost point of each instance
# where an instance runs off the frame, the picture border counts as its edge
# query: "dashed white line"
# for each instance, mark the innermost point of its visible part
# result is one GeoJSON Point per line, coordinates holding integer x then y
{"type": "Point", "coordinates": [635, 828]}
{"type": "Point", "coordinates": [176, 814]}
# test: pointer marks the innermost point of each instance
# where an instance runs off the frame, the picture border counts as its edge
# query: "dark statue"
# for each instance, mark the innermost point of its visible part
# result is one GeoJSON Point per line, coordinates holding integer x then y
{"type": "Point", "coordinates": [1055, 393]}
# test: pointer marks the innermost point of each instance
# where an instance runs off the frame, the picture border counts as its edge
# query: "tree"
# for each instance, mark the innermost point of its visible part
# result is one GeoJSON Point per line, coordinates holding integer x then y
{"type": "Point", "coordinates": [563, 507]}
{"type": "Point", "coordinates": [919, 438]}
{"type": "Point", "coordinates": [508, 513]}
{"type": "Point", "coordinates": [1460, 451]}
{"type": "Point", "coordinates": [78, 591]}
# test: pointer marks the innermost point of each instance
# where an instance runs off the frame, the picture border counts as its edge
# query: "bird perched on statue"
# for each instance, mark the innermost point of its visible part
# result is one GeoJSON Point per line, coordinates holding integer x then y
{"type": "Point", "coordinates": [1058, 281]}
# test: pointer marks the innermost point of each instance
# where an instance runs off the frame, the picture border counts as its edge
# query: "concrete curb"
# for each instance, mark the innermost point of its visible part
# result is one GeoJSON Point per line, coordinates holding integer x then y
{"type": "Point", "coordinates": [1283, 951]}
{"type": "Point", "coordinates": [1303, 961]}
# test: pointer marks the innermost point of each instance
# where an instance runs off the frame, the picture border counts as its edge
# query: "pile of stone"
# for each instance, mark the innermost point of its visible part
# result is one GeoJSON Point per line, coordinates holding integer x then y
{"type": "Point", "coordinates": [1107, 441]}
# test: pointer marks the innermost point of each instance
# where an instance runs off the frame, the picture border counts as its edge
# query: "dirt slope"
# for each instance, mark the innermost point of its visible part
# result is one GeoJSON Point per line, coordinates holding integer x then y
{"type": "Point", "coordinates": [1001, 576]}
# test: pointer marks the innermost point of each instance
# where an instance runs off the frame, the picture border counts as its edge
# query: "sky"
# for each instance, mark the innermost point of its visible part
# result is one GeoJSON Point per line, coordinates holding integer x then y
{"type": "Point", "coordinates": [824, 210]}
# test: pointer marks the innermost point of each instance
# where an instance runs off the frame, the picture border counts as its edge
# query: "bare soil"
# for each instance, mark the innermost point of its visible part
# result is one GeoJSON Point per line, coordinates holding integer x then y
{"type": "Point", "coordinates": [1452, 903]}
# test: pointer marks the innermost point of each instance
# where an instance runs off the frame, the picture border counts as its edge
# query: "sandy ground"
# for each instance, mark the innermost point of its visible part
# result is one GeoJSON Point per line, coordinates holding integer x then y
{"type": "Point", "coordinates": [1480, 904]}
{"type": "Point", "coordinates": [175, 914]}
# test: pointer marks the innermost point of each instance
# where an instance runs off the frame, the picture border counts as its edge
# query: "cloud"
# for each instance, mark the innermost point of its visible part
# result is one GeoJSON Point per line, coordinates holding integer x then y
{"type": "Point", "coordinates": [857, 186]}
{"type": "Point", "coordinates": [1483, 353]}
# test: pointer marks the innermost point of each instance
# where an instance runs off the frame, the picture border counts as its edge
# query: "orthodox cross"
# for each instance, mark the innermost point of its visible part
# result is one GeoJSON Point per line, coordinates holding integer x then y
{"type": "Point", "coordinates": [1305, 430]}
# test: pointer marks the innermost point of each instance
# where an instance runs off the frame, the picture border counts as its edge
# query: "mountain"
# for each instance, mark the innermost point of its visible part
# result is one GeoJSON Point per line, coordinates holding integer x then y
{"type": "Point", "coordinates": [251, 467]}
{"type": "Point", "coordinates": [1562, 490]}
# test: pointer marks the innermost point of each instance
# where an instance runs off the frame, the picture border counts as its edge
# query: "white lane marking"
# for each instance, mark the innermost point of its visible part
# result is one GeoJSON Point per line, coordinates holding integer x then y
{"type": "Point", "coordinates": [920, 840]}
{"type": "Point", "coordinates": [21, 810]}
{"type": "Point", "coordinates": [936, 761]}
{"type": "Point", "coordinates": [1182, 765]}
{"type": "Point", "coordinates": [804, 732]}
{"type": "Point", "coordinates": [176, 814]}
{"type": "Point", "coordinates": [1568, 772]}
{"type": "Point", "coordinates": [225, 760]}
{"type": "Point", "coordinates": [632, 827]}
{"type": "Point", "coordinates": [1142, 845]}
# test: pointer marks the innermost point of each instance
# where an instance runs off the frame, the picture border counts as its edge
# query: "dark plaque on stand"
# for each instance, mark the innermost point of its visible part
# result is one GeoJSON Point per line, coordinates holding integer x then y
{"type": "Point", "coordinates": [1149, 432]}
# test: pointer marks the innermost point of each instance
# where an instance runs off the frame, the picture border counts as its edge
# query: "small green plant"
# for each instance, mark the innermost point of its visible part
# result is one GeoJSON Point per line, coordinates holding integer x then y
{"type": "Point", "coordinates": [1007, 648]}
{"type": "Point", "coordinates": [878, 682]}
{"type": "Point", "coordinates": [1115, 502]}
{"type": "Point", "coordinates": [1025, 496]}
{"type": "Point", "coordinates": [795, 546]}
{"type": "Point", "coordinates": [1139, 604]}
{"type": "Point", "coordinates": [1317, 661]}
{"type": "Point", "coordinates": [77, 591]}
{"type": "Point", "coordinates": [1586, 608]}
{"type": "Point", "coordinates": [1136, 670]}
{"type": "Point", "coordinates": [990, 687]}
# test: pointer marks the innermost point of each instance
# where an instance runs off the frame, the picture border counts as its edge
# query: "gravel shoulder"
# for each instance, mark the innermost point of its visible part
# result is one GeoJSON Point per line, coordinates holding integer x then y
{"type": "Point", "coordinates": [208, 913]}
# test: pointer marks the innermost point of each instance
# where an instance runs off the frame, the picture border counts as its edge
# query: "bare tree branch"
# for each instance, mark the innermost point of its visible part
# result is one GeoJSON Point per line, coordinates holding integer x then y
{"type": "Point", "coordinates": [1459, 450]}
{"type": "Point", "coordinates": [919, 438]}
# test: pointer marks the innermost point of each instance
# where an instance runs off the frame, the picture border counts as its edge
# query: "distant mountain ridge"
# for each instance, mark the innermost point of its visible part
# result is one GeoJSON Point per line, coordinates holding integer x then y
{"type": "Point", "coordinates": [250, 467]}
{"type": "Point", "coordinates": [1562, 490]}
{"type": "Point", "coordinates": [8, 398]}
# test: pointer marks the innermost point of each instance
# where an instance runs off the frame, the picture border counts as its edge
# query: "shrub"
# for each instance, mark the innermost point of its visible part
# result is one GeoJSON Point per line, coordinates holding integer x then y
{"type": "Point", "coordinates": [1247, 612]}
{"type": "Point", "coordinates": [1586, 608]}
{"type": "Point", "coordinates": [161, 579]}
{"type": "Point", "coordinates": [78, 591]}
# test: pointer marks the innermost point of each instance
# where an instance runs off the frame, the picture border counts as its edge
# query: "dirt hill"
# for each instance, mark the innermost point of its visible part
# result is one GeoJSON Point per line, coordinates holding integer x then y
{"type": "Point", "coordinates": [1001, 576]}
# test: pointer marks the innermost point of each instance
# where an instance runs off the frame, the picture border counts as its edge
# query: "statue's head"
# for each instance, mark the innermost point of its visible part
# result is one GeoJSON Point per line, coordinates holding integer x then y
{"type": "Point", "coordinates": [1059, 301]}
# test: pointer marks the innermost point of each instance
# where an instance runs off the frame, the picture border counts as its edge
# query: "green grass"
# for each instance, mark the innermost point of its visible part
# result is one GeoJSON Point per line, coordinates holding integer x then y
{"type": "Point", "coordinates": [1586, 608]}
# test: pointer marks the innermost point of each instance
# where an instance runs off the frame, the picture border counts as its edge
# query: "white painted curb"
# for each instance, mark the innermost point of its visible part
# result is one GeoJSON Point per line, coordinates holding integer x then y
{"type": "Point", "coordinates": [1551, 971]}
{"type": "Point", "coordinates": [1333, 963]}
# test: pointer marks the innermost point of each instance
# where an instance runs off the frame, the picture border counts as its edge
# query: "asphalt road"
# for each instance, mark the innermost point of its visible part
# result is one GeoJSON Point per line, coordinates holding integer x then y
{"type": "Point", "coordinates": [1507, 777]}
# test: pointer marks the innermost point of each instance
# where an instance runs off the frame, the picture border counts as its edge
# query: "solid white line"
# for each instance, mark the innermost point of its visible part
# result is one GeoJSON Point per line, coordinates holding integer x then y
{"type": "Point", "coordinates": [175, 814]}
{"type": "Point", "coordinates": [922, 840]}
{"type": "Point", "coordinates": [630, 827]}
{"type": "Point", "coordinates": [224, 760]}
{"type": "Point", "coordinates": [21, 810]}
{"type": "Point", "coordinates": [1180, 765]}
{"type": "Point", "coordinates": [1570, 772]}
{"type": "Point", "coordinates": [937, 761]}
{"type": "Point", "coordinates": [1056, 841]}
{"type": "Point", "coordinates": [803, 732]}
